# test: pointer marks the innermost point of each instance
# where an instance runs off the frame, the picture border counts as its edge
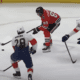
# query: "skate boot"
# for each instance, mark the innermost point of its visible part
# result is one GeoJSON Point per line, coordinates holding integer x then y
{"type": "Point", "coordinates": [17, 75]}
{"type": "Point", "coordinates": [50, 44]}
{"type": "Point", "coordinates": [46, 49]}
{"type": "Point", "coordinates": [45, 44]}
{"type": "Point", "coordinates": [29, 77]}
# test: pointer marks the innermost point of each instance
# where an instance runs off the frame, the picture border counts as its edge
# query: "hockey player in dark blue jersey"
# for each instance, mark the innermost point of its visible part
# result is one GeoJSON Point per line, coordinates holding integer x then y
{"type": "Point", "coordinates": [20, 44]}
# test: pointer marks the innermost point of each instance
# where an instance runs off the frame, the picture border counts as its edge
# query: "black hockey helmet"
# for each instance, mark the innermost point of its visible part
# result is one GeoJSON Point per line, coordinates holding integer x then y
{"type": "Point", "coordinates": [39, 10]}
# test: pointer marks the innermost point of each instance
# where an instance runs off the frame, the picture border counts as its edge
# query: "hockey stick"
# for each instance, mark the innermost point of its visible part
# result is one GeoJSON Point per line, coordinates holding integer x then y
{"type": "Point", "coordinates": [5, 43]}
{"type": "Point", "coordinates": [69, 54]}
{"type": "Point", "coordinates": [10, 66]}
{"type": "Point", "coordinates": [7, 68]}
{"type": "Point", "coordinates": [11, 40]}
{"type": "Point", "coordinates": [30, 30]}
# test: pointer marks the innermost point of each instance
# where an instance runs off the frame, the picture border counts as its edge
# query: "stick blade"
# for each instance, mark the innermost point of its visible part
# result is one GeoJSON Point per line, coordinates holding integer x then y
{"type": "Point", "coordinates": [74, 61]}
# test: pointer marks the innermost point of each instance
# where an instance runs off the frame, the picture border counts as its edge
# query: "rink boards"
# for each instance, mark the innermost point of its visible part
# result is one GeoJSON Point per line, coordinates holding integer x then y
{"type": "Point", "coordinates": [46, 1]}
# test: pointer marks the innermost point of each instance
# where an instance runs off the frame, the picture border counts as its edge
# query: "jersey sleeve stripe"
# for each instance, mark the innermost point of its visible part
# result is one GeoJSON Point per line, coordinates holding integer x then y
{"type": "Point", "coordinates": [75, 30]}
{"type": "Point", "coordinates": [33, 41]}
{"type": "Point", "coordinates": [14, 48]}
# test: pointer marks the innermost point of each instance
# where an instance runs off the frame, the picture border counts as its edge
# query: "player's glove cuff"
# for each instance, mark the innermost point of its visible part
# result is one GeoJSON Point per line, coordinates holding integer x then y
{"type": "Point", "coordinates": [65, 38]}
{"type": "Point", "coordinates": [78, 41]}
{"type": "Point", "coordinates": [36, 30]}
{"type": "Point", "coordinates": [32, 50]}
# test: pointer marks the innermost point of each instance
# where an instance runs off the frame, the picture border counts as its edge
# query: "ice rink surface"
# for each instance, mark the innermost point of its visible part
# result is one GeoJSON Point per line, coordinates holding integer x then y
{"type": "Point", "coordinates": [55, 65]}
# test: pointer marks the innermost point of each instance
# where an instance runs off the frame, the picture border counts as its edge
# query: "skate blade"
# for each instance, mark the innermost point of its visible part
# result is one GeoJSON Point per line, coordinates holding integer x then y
{"type": "Point", "coordinates": [17, 77]}
{"type": "Point", "coordinates": [46, 51]}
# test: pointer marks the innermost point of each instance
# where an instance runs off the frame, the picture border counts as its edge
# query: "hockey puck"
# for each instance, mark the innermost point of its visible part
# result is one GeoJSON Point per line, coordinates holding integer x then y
{"type": "Point", "coordinates": [2, 49]}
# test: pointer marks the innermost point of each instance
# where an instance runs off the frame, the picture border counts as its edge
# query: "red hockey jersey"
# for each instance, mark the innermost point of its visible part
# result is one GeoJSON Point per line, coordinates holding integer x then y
{"type": "Point", "coordinates": [49, 17]}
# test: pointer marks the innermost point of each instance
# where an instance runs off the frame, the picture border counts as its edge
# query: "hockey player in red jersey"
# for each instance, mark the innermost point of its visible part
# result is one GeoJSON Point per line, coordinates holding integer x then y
{"type": "Point", "coordinates": [50, 21]}
{"type": "Point", "coordinates": [20, 44]}
{"type": "Point", "coordinates": [75, 30]}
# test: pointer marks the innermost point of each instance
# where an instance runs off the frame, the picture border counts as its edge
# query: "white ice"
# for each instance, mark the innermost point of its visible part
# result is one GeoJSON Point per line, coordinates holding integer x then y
{"type": "Point", "coordinates": [55, 65]}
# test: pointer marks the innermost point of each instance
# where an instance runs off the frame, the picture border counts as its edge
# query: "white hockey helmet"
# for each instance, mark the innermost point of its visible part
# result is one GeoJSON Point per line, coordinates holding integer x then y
{"type": "Point", "coordinates": [20, 30]}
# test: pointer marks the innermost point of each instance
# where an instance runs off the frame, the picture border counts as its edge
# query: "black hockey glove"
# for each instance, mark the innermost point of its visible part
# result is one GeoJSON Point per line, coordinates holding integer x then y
{"type": "Point", "coordinates": [78, 41]}
{"type": "Point", "coordinates": [65, 38]}
{"type": "Point", "coordinates": [35, 30]}
{"type": "Point", "coordinates": [32, 50]}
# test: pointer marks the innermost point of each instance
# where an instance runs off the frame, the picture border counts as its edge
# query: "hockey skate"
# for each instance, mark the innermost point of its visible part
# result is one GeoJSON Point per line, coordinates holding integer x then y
{"type": "Point", "coordinates": [46, 49]}
{"type": "Point", "coordinates": [17, 75]}
{"type": "Point", "coordinates": [29, 77]}
{"type": "Point", "coordinates": [45, 44]}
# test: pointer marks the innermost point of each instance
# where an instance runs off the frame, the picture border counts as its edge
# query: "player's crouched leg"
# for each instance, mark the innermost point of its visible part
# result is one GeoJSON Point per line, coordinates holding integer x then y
{"type": "Point", "coordinates": [30, 71]}
{"type": "Point", "coordinates": [15, 66]}
{"type": "Point", "coordinates": [29, 65]}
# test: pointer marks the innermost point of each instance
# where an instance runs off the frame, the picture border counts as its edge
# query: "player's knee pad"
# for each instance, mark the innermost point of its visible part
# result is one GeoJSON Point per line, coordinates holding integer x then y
{"type": "Point", "coordinates": [46, 33]}
{"type": "Point", "coordinates": [15, 65]}
{"type": "Point", "coordinates": [30, 70]}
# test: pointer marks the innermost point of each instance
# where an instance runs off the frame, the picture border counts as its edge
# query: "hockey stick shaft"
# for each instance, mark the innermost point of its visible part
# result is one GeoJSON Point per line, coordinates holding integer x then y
{"type": "Point", "coordinates": [8, 67]}
{"type": "Point", "coordinates": [30, 30]}
{"type": "Point", "coordinates": [69, 53]}
{"type": "Point", "coordinates": [6, 43]}
{"type": "Point", "coordinates": [11, 40]}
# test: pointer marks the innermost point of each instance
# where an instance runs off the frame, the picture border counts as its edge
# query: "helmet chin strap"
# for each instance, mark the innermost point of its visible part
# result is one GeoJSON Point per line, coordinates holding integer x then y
{"type": "Point", "coordinates": [20, 32]}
